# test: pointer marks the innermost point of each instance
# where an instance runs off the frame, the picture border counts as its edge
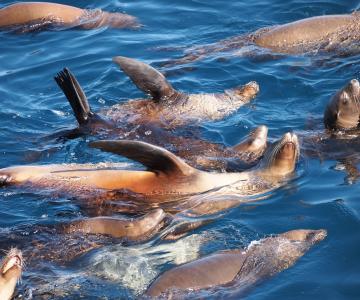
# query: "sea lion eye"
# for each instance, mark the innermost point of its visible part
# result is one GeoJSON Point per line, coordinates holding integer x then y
{"type": "Point", "coordinates": [345, 98]}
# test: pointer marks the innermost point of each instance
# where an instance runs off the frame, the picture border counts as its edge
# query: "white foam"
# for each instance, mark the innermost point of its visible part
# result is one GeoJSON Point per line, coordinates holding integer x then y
{"type": "Point", "coordinates": [136, 266]}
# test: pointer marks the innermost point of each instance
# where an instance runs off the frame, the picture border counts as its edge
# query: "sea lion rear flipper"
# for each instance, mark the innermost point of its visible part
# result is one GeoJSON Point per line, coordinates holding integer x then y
{"type": "Point", "coordinates": [155, 158]}
{"type": "Point", "coordinates": [146, 78]}
{"type": "Point", "coordinates": [75, 95]}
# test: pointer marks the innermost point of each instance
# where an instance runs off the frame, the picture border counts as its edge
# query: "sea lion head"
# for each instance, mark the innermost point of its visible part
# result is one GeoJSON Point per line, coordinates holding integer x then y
{"type": "Point", "coordinates": [281, 158]}
{"type": "Point", "coordinates": [244, 93]}
{"type": "Point", "coordinates": [10, 272]}
{"type": "Point", "coordinates": [304, 235]}
{"type": "Point", "coordinates": [289, 246]}
{"type": "Point", "coordinates": [342, 112]}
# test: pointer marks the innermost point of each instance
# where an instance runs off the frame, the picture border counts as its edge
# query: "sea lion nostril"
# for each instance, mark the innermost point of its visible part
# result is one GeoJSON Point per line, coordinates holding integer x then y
{"type": "Point", "coordinates": [355, 82]}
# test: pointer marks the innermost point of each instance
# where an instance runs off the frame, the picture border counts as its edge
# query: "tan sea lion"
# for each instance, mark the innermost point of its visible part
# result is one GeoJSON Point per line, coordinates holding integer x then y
{"type": "Point", "coordinates": [167, 106]}
{"type": "Point", "coordinates": [10, 272]}
{"type": "Point", "coordinates": [30, 16]}
{"type": "Point", "coordinates": [343, 110]}
{"type": "Point", "coordinates": [331, 33]}
{"type": "Point", "coordinates": [147, 120]}
{"type": "Point", "coordinates": [65, 242]}
{"type": "Point", "coordinates": [167, 176]}
{"type": "Point", "coordinates": [242, 269]}
{"type": "Point", "coordinates": [131, 229]}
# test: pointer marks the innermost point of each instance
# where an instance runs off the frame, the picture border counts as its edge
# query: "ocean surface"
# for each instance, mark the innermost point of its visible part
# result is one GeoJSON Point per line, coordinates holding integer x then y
{"type": "Point", "coordinates": [293, 93]}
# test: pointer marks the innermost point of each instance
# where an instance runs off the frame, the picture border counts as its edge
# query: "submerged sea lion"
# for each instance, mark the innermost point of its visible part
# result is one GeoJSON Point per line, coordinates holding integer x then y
{"type": "Point", "coordinates": [131, 229]}
{"type": "Point", "coordinates": [65, 242]}
{"type": "Point", "coordinates": [167, 177]}
{"type": "Point", "coordinates": [240, 268]}
{"type": "Point", "coordinates": [10, 272]}
{"type": "Point", "coordinates": [167, 106]}
{"type": "Point", "coordinates": [331, 33]}
{"type": "Point", "coordinates": [31, 16]}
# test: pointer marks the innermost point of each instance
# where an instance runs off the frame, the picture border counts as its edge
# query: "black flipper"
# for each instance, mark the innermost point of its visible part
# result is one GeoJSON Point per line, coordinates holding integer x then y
{"type": "Point", "coordinates": [155, 158]}
{"type": "Point", "coordinates": [75, 95]}
{"type": "Point", "coordinates": [146, 78]}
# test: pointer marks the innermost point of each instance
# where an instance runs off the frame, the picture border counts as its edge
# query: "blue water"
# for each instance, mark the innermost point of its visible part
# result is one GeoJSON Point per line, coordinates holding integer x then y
{"type": "Point", "coordinates": [294, 92]}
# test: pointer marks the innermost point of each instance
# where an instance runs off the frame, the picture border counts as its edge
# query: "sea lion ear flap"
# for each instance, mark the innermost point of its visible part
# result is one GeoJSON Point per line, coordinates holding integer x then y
{"type": "Point", "coordinates": [155, 158]}
{"type": "Point", "coordinates": [146, 78]}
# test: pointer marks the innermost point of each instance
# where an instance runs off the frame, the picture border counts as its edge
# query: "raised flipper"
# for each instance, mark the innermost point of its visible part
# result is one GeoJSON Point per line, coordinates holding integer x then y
{"type": "Point", "coordinates": [75, 95]}
{"type": "Point", "coordinates": [155, 158]}
{"type": "Point", "coordinates": [78, 101]}
{"type": "Point", "coordinates": [255, 142]}
{"type": "Point", "coordinates": [146, 78]}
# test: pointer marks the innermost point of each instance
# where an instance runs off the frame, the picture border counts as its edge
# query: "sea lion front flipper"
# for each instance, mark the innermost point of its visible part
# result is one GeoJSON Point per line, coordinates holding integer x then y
{"type": "Point", "coordinates": [146, 78]}
{"type": "Point", "coordinates": [155, 158]}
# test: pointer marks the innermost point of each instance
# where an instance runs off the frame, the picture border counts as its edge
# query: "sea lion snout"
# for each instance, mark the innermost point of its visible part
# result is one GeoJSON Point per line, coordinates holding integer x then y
{"type": "Point", "coordinates": [280, 159]}
{"type": "Point", "coordinates": [289, 146]}
{"type": "Point", "coordinates": [355, 85]}
{"type": "Point", "coordinates": [317, 236]}
{"type": "Point", "coordinates": [10, 272]}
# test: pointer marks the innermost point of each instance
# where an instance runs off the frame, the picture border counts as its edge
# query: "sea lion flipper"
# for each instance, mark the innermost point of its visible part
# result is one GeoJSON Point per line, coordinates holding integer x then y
{"type": "Point", "coordinates": [75, 95]}
{"type": "Point", "coordinates": [153, 157]}
{"type": "Point", "coordinates": [146, 78]}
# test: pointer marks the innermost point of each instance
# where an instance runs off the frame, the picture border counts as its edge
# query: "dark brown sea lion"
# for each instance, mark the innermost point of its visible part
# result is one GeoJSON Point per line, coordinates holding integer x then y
{"type": "Point", "coordinates": [341, 119]}
{"type": "Point", "coordinates": [240, 268]}
{"type": "Point", "coordinates": [343, 110]}
{"type": "Point", "coordinates": [30, 16]}
{"type": "Point", "coordinates": [167, 177]}
{"type": "Point", "coordinates": [332, 33]}
{"type": "Point", "coordinates": [10, 272]}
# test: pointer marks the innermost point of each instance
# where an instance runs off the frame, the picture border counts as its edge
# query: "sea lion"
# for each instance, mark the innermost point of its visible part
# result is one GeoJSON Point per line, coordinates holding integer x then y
{"type": "Point", "coordinates": [167, 106]}
{"type": "Point", "coordinates": [64, 242]}
{"type": "Point", "coordinates": [148, 120]}
{"type": "Point", "coordinates": [31, 16]}
{"type": "Point", "coordinates": [343, 110]}
{"type": "Point", "coordinates": [167, 176]}
{"type": "Point", "coordinates": [131, 229]}
{"type": "Point", "coordinates": [10, 272]}
{"type": "Point", "coordinates": [341, 118]}
{"type": "Point", "coordinates": [331, 33]}
{"type": "Point", "coordinates": [242, 268]}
